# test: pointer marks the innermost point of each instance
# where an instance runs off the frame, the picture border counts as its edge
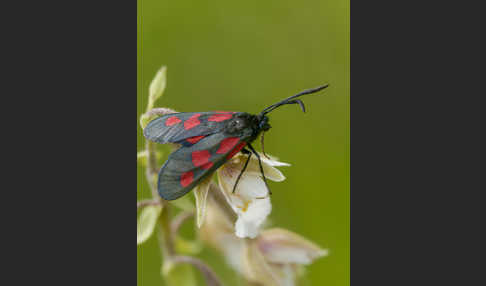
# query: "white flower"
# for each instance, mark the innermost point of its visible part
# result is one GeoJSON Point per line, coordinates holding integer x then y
{"type": "Point", "coordinates": [274, 258]}
{"type": "Point", "coordinates": [251, 200]}
{"type": "Point", "coordinates": [282, 246]}
{"type": "Point", "coordinates": [218, 232]}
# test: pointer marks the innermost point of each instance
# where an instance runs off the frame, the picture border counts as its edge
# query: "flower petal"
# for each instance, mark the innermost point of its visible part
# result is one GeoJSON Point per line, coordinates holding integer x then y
{"type": "Point", "coordinates": [250, 220]}
{"type": "Point", "coordinates": [271, 172]}
{"type": "Point", "coordinates": [257, 269]}
{"type": "Point", "coordinates": [250, 200]}
{"type": "Point", "coordinates": [250, 185]}
{"type": "Point", "coordinates": [218, 232]}
{"type": "Point", "coordinates": [201, 194]}
{"type": "Point", "coordinates": [285, 272]}
{"type": "Point", "coordinates": [283, 246]}
{"type": "Point", "coordinates": [273, 161]}
{"type": "Point", "coordinates": [253, 167]}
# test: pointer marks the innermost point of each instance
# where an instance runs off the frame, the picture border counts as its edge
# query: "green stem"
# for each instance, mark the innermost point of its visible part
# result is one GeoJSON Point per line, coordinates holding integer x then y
{"type": "Point", "coordinates": [151, 171]}
{"type": "Point", "coordinates": [164, 234]}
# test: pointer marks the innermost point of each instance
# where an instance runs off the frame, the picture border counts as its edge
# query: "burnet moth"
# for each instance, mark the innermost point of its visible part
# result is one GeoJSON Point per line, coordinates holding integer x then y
{"type": "Point", "coordinates": [208, 140]}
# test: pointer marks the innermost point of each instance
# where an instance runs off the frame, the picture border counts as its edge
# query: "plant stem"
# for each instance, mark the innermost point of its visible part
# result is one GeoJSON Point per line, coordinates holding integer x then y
{"type": "Point", "coordinates": [151, 171]}
{"type": "Point", "coordinates": [164, 234]}
{"type": "Point", "coordinates": [209, 275]}
{"type": "Point", "coordinates": [179, 220]}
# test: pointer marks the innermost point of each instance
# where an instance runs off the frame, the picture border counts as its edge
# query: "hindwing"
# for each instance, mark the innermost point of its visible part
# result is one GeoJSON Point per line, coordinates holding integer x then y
{"type": "Point", "coordinates": [188, 166]}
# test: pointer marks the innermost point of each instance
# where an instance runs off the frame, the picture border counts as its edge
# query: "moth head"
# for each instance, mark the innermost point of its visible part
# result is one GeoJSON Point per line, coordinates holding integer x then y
{"type": "Point", "coordinates": [263, 123]}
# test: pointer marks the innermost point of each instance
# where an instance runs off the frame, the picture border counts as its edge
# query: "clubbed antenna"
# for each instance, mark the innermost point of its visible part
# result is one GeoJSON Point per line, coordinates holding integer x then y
{"type": "Point", "coordinates": [292, 100]}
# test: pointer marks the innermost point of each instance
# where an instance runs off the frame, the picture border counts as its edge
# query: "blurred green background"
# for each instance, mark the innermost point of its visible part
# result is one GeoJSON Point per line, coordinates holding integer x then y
{"type": "Point", "coordinates": [244, 56]}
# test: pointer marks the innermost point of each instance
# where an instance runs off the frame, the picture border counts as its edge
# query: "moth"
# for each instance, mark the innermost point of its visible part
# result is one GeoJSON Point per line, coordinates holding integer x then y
{"type": "Point", "coordinates": [208, 140]}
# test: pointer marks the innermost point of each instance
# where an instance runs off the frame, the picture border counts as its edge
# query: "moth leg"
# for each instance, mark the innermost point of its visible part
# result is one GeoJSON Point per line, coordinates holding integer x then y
{"type": "Point", "coordinates": [261, 167]}
{"type": "Point", "coordinates": [246, 152]}
{"type": "Point", "coordinates": [262, 139]}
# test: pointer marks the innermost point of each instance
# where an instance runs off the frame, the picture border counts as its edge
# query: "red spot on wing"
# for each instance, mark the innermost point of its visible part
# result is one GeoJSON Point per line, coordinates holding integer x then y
{"type": "Point", "coordinates": [195, 139]}
{"type": "Point", "coordinates": [227, 144]}
{"type": "Point", "coordinates": [192, 122]}
{"type": "Point", "coordinates": [207, 166]}
{"type": "Point", "coordinates": [187, 178]}
{"type": "Point", "coordinates": [172, 121]}
{"type": "Point", "coordinates": [200, 158]}
{"type": "Point", "coordinates": [236, 150]}
{"type": "Point", "coordinates": [220, 117]}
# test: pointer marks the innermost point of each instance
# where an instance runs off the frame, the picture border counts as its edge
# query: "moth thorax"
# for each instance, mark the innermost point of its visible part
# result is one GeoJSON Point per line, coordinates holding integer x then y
{"type": "Point", "coordinates": [238, 123]}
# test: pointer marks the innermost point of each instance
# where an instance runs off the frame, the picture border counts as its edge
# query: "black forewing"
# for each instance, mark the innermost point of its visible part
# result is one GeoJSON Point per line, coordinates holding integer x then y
{"type": "Point", "coordinates": [181, 163]}
{"type": "Point", "coordinates": [176, 127]}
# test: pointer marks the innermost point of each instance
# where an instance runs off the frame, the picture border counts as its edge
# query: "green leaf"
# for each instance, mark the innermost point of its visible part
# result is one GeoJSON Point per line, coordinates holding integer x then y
{"type": "Point", "coordinates": [146, 222]}
{"type": "Point", "coordinates": [157, 87]}
{"type": "Point", "coordinates": [179, 274]}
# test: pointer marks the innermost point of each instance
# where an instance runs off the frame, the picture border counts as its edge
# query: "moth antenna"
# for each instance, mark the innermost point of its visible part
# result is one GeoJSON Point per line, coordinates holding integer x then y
{"type": "Point", "coordinates": [295, 101]}
{"type": "Point", "coordinates": [262, 142]}
{"type": "Point", "coordinates": [292, 100]}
